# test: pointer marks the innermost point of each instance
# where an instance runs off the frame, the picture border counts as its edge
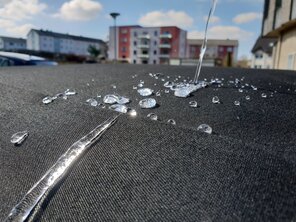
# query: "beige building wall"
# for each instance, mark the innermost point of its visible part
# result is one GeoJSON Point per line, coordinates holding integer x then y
{"type": "Point", "coordinates": [285, 51]}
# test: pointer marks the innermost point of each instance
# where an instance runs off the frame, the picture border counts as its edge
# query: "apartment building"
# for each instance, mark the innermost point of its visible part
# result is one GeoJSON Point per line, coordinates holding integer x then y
{"type": "Point", "coordinates": [262, 53]}
{"type": "Point", "coordinates": [279, 21]}
{"type": "Point", "coordinates": [219, 52]}
{"type": "Point", "coordinates": [48, 41]}
{"type": "Point", "coordinates": [11, 44]}
{"type": "Point", "coordinates": [146, 45]}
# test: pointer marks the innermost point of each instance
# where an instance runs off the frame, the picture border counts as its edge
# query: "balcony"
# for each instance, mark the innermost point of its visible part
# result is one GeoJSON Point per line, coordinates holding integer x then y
{"type": "Point", "coordinates": [165, 46]}
{"type": "Point", "coordinates": [166, 56]}
{"type": "Point", "coordinates": [143, 46]}
{"type": "Point", "coordinates": [145, 36]}
{"type": "Point", "coordinates": [143, 56]}
{"type": "Point", "coordinates": [165, 36]}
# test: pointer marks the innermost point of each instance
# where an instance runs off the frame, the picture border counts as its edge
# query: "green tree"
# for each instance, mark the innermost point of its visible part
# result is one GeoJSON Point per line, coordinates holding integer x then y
{"type": "Point", "coordinates": [93, 51]}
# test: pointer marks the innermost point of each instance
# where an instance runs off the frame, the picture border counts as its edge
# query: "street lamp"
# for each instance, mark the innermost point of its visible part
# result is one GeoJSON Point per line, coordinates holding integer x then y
{"type": "Point", "coordinates": [114, 15]}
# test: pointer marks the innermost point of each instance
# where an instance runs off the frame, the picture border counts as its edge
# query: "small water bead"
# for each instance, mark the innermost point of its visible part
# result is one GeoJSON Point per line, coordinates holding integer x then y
{"type": "Point", "coordinates": [205, 129]}
{"type": "Point", "coordinates": [237, 103]}
{"type": "Point", "coordinates": [167, 91]}
{"type": "Point", "coordinates": [92, 102]}
{"type": "Point", "coordinates": [135, 87]}
{"type": "Point", "coordinates": [87, 84]}
{"type": "Point", "coordinates": [110, 99]}
{"type": "Point", "coordinates": [19, 138]}
{"type": "Point", "coordinates": [152, 116]}
{"type": "Point", "coordinates": [68, 92]}
{"type": "Point", "coordinates": [240, 90]}
{"type": "Point", "coordinates": [193, 104]}
{"type": "Point", "coordinates": [162, 80]}
{"type": "Point", "coordinates": [148, 103]}
{"type": "Point", "coordinates": [215, 100]}
{"type": "Point", "coordinates": [119, 108]}
{"type": "Point", "coordinates": [263, 95]}
{"type": "Point", "coordinates": [99, 96]}
{"type": "Point", "coordinates": [132, 112]}
{"type": "Point", "coordinates": [113, 86]}
{"type": "Point", "coordinates": [145, 92]}
{"type": "Point", "coordinates": [171, 121]}
{"type": "Point", "coordinates": [65, 97]}
{"type": "Point", "coordinates": [140, 85]}
{"type": "Point", "coordinates": [47, 100]}
{"type": "Point", "coordinates": [254, 88]}
{"type": "Point", "coordinates": [158, 94]}
{"type": "Point", "coordinates": [248, 97]}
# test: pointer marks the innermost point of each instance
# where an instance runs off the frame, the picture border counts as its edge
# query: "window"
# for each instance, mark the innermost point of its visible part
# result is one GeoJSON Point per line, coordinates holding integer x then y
{"type": "Point", "coordinates": [155, 52]}
{"type": "Point", "coordinates": [135, 52]}
{"type": "Point", "coordinates": [11, 43]}
{"type": "Point", "coordinates": [135, 34]}
{"type": "Point", "coordinates": [259, 56]}
{"type": "Point", "coordinates": [154, 61]}
{"type": "Point", "coordinates": [135, 43]}
{"type": "Point", "coordinates": [155, 33]}
{"type": "Point", "coordinates": [291, 62]}
{"type": "Point", "coordinates": [155, 43]}
{"type": "Point", "coordinates": [124, 39]}
{"type": "Point", "coordinates": [124, 31]}
{"type": "Point", "coordinates": [135, 61]}
{"type": "Point", "coordinates": [123, 49]}
{"type": "Point", "coordinates": [221, 49]}
{"type": "Point", "coordinates": [229, 49]}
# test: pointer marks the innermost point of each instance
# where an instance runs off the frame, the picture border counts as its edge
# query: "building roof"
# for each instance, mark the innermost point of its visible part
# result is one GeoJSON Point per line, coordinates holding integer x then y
{"type": "Point", "coordinates": [225, 42]}
{"type": "Point", "coordinates": [264, 44]}
{"type": "Point", "coordinates": [11, 39]}
{"type": "Point", "coordinates": [66, 36]}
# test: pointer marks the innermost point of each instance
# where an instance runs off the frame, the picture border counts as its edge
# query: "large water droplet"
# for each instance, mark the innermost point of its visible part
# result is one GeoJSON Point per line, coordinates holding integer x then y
{"type": "Point", "coordinates": [152, 116]}
{"type": "Point", "coordinates": [68, 92]}
{"type": "Point", "coordinates": [193, 104]}
{"type": "Point", "coordinates": [147, 103]}
{"type": "Point", "coordinates": [237, 103]}
{"type": "Point", "coordinates": [205, 128]}
{"type": "Point", "coordinates": [123, 100]}
{"type": "Point", "coordinates": [171, 121]}
{"type": "Point", "coordinates": [47, 100]}
{"type": "Point", "coordinates": [215, 100]}
{"type": "Point", "coordinates": [169, 84]}
{"type": "Point", "coordinates": [110, 99]}
{"type": "Point", "coordinates": [19, 138]}
{"type": "Point", "coordinates": [92, 102]}
{"type": "Point", "coordinates": [184, 90]}
{"type": "Point", "coordinates": [119, 108]}
{"type": "Point", "coordinates": [145, 92]}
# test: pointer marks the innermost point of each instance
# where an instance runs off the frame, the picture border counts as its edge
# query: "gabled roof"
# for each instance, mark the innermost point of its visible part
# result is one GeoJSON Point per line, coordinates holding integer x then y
{"type": "Point", "coordinates": [66, 36]}
{"type": "Point", "coordinates": [264, 44]}
{"type": "Point", "coordinates": [11, 39]}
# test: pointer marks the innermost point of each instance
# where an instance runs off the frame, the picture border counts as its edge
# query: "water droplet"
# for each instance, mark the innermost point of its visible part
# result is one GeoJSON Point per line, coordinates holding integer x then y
{"type": "Point", "coordinates": [135, 87]}
{"type": "Point", "coordinates": [215, 100]}
{"type": "Point", "coordinates": [119, 108]}
{"type": "Point", "coordinates": [263, 95]}
{"type": "Point", "coordinates": [87, 84]}
{"type": "Point", "coordinates": [185, 90]}
{"type": "Point", "coordinates": [169, 84]}
{"type": "Point", "coordinates": [145, 92]}
{"type": "Point", "coordinates": [237, 103]}
{"type": "Point", "coordinates": [65, 97]}
{"type": "Point", "coordinates": [132, 112]}
{"type": "Point", "coordinates": [162, 80]}
{"type": "Point", "coordinates": [140, 85]}
{"type": "Point", "coordinates": [248, 97]}
{"type": "Point", "coordinates": [171, 121]}
{"type": "Point", "coordinates": [123, 100]}
{"type": "Point", "coordinates": [152, 116]}
{"type": "Point", "coordinates": [167, 91]}
{"type": "Point", "coordinates": [158, 94]}
{"type": "Point", "coordinates": [47, 100]}
{"type": "Point", "coordinates": [240, 90]}
{"type": "Point", "coordinates": [205, 128]}
{"type": "Point", "coordinates": [254, 88]}
{"type": "Point", "coordinates": [92, 80]}
{"type": "Point", "coordinates": [68, 92]}
{"type": "Point", "coordinates": [113, 86]}
{"type": "Point", "coordinates": [110, 99]}
{"type": "Point", "coordinates": [147, 103]}
{"type": "Point", "coordinates": [92, 102]}
{"type": "Point", "coordinates": [99, 96]}
{"type": "Point", "coordinates": [19, 138]}
{"type": "Point", "coordinates": [193, 104]}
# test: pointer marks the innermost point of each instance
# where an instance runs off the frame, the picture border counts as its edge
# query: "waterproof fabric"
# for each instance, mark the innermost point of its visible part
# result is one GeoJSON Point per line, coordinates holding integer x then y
{"type": "Point", "coordinates": [143, 170]}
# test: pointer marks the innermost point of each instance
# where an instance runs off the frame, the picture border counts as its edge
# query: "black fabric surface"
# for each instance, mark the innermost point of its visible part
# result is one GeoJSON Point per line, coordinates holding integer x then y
{"type": "Point", "coordinates": [143, 170]}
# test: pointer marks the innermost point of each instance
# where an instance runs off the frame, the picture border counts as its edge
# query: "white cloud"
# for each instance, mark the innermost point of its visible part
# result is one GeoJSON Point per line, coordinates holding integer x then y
{"type": "Point", "coordinates": [214, 19]}
{"type": "Point", "coordinates": [169, 18]}
{"type": "Point", "coordinates": [247, 17]}
{"type": "Point", "coordinates": [20, 30]}
{"type": "Point", "coordinates": [79, 10]}
{"type": "Point", "coordinates": [21, 9]}
{"type": "Point", "coordinates": [223, 32]}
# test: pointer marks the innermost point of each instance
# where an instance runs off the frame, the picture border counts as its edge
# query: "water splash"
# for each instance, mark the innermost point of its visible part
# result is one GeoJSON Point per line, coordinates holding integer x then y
{"type": "Point", "coordinates": [22, 210]}
{"type": "Point", "coordinates": [204, 44]}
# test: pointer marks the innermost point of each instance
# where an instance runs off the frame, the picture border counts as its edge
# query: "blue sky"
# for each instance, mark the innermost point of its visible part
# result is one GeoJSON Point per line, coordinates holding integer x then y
{"type": "Point", "coordinates": [234, 19]}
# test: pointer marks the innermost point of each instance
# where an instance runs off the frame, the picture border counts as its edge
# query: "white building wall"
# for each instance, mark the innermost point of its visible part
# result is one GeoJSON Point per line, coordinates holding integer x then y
{"type": "Point", "coordinates": [33, 41]}
{"type": "Point", "coordinates": [261, 60]}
